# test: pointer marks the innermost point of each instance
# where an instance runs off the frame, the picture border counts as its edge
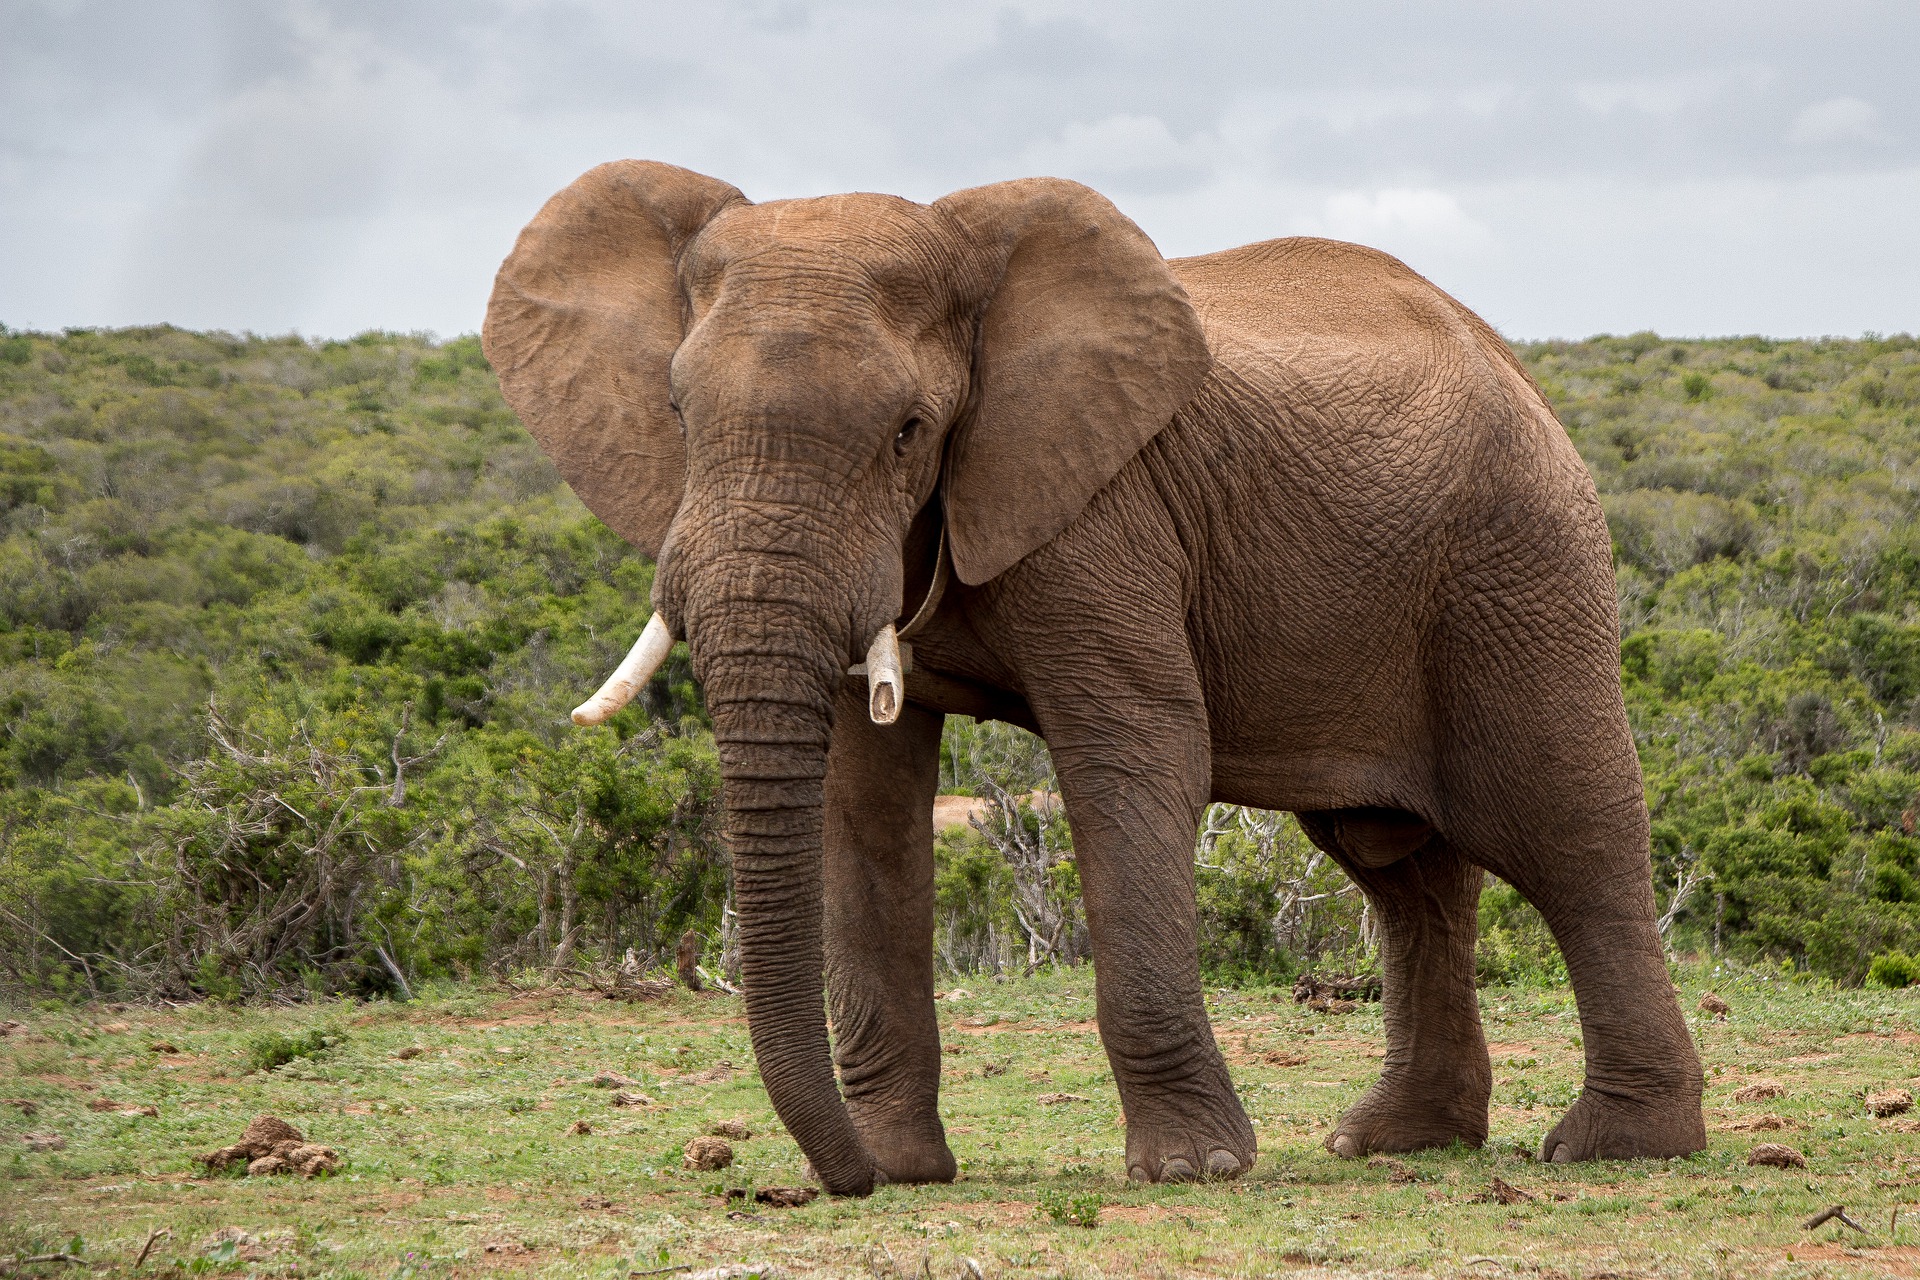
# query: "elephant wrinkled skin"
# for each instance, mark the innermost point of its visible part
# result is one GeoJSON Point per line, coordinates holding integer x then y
{"type": "Point", "coordinates": [1284, 526]}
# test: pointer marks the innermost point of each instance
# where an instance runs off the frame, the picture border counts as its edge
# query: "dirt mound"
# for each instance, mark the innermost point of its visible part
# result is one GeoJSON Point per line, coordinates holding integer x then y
{"type": "Point", "coordinates": [735, 1129]}
{"type": "Point", "coordinates": [1760, 1091]}
{"type": "Point", "coordinates": [1891, 1102]}
{"type": "Point", "coordinates": [270, 1145]}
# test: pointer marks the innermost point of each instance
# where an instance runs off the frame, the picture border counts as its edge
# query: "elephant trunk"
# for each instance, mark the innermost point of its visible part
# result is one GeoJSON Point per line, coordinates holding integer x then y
{"type": "Point", "coordinates": [771, 722]}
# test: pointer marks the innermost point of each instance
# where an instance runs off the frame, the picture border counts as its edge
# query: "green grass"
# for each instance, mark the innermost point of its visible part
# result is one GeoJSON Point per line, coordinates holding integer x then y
{"type": "Point", "coordinates": [466, 1146]}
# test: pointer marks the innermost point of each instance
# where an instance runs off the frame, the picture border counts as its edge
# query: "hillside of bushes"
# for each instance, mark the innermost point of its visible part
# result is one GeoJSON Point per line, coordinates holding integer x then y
{"type": "Point", "coordinates": [289, 631]}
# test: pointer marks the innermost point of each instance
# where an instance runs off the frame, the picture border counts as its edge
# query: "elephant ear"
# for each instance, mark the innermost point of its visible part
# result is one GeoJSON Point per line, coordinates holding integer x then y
{"type": "Point", "coordinates": [585, 316]}
{"type": "Point", "coordinates": [1086, 348]}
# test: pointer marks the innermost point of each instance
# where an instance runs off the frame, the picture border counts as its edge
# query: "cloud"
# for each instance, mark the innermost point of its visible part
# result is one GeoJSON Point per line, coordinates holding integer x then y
{"type": "Point", "coordinates": [1412, 222]}
{"type": "Point", "coordinates": [1837, 120]}
{"type": "Point", "coordinates": [1128, 153]}
{"type": "Point", "coordinates": [333, 165]}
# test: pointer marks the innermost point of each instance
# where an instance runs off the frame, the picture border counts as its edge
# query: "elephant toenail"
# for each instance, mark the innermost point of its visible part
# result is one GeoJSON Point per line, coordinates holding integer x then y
{"type": "Point", "coordinates": [1176, 1169]}
{"type": "Point", "coordinates": [1343, 1145]}
{"type": "Point", "coordinates": [1137, 1174]}
{"type": "Point", "coordinates": [1562, 1154]}
{"type": "Point", "coordinates": [1222, 1164]}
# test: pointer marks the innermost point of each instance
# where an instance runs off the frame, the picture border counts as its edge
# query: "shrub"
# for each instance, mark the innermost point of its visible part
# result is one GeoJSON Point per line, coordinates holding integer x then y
{"type": "Point", "coordinates": [277, 1049]}
{"type": "Point", "coordinates": [1893, 969]}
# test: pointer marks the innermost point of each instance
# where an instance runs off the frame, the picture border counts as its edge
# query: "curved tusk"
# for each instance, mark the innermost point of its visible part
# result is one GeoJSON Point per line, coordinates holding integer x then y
{"type": "Point", "coordinates": [648, 652]}
{"type": "Point", "coordinates": [886, 687]}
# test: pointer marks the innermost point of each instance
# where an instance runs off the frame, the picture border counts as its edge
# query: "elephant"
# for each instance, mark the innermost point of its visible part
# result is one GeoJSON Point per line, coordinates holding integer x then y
{"type": "Point", "coordinates": [1283, 526]}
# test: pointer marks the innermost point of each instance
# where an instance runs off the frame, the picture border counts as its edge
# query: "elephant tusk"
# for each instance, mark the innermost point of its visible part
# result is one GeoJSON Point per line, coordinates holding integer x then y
{"type": "Point", "coordinates": [885, 683]}
{"type": "Point", "coordinates": [648, 652]}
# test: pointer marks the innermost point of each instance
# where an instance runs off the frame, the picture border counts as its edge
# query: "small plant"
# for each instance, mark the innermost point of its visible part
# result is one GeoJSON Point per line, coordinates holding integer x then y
{"type": "Point", "coordinates": [275, 1049]}
{"type": "Point", "coordinates": [1070, 1210]}
{"type": "Point", "coordinates": [1893, 969]}
{"type": "Point", "coordinates": [1697, 385]}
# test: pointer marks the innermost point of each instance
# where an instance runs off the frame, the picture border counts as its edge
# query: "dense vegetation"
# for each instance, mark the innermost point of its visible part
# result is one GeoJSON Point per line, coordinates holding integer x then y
{"type": "Point", "coordinates": [288, 631]}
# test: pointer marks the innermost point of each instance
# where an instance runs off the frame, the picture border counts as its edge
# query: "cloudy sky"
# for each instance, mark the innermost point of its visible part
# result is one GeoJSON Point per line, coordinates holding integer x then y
{"type": "Point", "coordinates": [337, 165]}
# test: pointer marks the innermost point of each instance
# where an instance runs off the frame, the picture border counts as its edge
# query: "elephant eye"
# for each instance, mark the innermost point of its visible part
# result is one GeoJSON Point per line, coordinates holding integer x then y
{"type": "Point", "coordinates": [908, 429]}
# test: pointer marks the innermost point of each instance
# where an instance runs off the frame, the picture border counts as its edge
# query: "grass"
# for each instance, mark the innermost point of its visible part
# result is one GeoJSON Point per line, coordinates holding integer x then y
{"type": "Point", "coordinates": [459, 1159]}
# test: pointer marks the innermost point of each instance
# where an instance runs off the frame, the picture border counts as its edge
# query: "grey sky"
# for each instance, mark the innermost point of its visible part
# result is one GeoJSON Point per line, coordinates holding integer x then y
{"type": "Point", "coordinates": [1563, 169]}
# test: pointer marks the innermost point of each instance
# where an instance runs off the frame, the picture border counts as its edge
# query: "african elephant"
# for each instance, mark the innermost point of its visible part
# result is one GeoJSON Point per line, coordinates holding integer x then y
{"type": "Point", "coordinates": [1284, 526]}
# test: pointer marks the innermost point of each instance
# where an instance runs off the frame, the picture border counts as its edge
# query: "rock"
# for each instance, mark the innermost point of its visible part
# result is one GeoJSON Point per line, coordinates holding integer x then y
{"type": "Point", "coordinates": [410, 1052]}
{"type": "Point", "coordinates": [1776, 1155]}
{"type": "Point", "coordinates": [1713, 1004]}
{"type": "Point", "coordinates": [44, 1141]}
{"type": "Point", "coordinates": [958, 993]}
{"type": "Point", "coordinates": [1760, 1091]}
{"type": "Point", "coordinates": [735, 1129]}
{"type": "Point", "coordinates": [623, 1098]}
{"type": "Point", "coordinates": [580, 1129]}
{"type": "Point", "coordinates": [1890, 1102]}
{"type": "Point", "coordinates": [708, 1154]}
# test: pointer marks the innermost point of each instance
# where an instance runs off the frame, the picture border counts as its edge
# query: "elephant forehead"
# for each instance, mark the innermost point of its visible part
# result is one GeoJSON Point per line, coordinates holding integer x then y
{"type": "Point", "coordinates": [876, 249]}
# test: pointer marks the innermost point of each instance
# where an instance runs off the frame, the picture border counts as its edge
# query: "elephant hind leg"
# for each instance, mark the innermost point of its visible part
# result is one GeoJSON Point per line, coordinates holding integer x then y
{"type": "Point", "coordinates": [1571, 836]}
{"type": "Point", "coordinates": [1436, 1083]}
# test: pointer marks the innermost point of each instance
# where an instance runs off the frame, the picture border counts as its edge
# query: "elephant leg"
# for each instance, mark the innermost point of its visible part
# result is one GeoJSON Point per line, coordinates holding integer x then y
{"type": "Point", "coordinates": [1641, 1096]}
{"type": "Point", "coordinates": [879, 933]}
{"type": "Point", "coordinates": [1134, 774]}
{"type": "Point", "coordinates": [1436, 1083]}
{"type": "Point", "coordinates": [1569, 831]}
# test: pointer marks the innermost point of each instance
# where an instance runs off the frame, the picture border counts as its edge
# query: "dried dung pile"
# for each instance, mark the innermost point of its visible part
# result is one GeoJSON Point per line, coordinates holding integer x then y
{"type": "Point", "coordinates": [270, 1145]}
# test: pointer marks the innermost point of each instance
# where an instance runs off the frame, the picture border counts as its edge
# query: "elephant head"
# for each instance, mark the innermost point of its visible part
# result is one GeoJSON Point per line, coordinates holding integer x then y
{"type": "Point", "coordinates": [763, 397]}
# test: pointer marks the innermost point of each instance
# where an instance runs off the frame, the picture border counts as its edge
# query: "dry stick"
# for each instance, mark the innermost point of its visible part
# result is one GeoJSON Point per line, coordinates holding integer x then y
{"type": "Point", "coordinates": [147, 1248]}
{"type": "Point", "coordinates": [1836, 1213]}
{"type": "Point", "coordinates": [661, 1271]}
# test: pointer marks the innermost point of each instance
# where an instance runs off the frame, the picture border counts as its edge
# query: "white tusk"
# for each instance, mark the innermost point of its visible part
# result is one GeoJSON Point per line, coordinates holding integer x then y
{"type": "Point", "coordinates": [648, 652]}
{"type": "Point", "coordinates": [885, 684]}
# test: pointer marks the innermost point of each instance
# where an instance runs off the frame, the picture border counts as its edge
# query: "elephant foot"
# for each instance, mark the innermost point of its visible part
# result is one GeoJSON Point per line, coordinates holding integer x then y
{"type": "Point", "coordinates": [1188, 1143]}
{"type": "Point", "coordinates": [906, 1151]}
{"type": "Point", "coordinates": [1402, 1113]}
{"type": "Point", "coordinates": [1613, 1126]}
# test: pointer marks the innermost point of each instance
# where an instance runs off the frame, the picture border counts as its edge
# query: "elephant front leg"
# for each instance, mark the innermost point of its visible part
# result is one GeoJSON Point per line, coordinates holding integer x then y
{"type": "Point", "coordinates": [879, 933]}
{"type": "Point", "coordinates": [1134, 786]}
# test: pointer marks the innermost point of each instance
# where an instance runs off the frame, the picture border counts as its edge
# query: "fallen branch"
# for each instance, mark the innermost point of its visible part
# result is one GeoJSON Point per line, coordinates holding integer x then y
{"type": "Point", "coordinates": [147, 1248]}
{"type": "Point", "coordinates": [1836, 1213]}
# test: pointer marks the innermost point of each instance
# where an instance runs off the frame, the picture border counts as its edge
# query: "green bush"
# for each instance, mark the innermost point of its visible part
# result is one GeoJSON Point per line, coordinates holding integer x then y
{"type": "Point", "coordinates": [276, 1049]}
{"type": "Point", "coordinates": [1893, 969]}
